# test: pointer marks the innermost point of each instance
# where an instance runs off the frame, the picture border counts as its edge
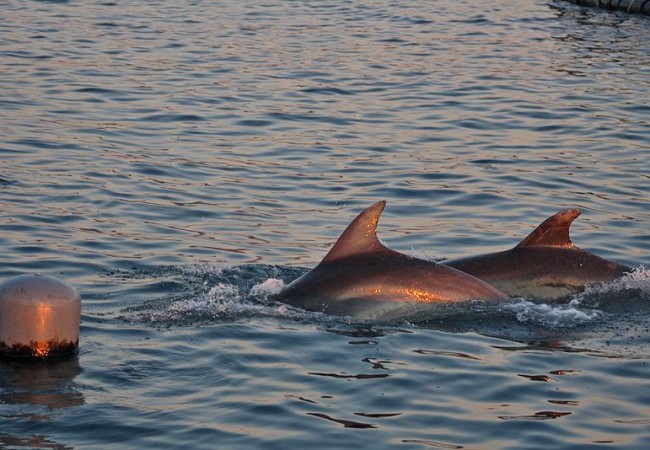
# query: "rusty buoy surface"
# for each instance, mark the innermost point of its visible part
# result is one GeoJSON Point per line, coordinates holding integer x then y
{"type": "Point", "coordinates": [39, 317]}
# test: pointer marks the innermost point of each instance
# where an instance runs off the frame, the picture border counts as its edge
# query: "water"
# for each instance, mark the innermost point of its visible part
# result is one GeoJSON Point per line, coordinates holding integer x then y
{"type": "Point", "coordinates": [177, 162]}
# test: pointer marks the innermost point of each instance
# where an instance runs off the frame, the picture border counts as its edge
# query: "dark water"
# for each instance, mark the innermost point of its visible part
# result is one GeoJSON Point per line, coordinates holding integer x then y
{"type": "Point", "coordinates": [178, 161]}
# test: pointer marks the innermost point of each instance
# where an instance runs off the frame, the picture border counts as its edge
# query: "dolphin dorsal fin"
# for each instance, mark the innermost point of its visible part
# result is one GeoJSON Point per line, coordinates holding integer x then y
{"type": "Point", "coordinates": [360, 236]}
{"type": "Point", "coordinates": [553, 232]}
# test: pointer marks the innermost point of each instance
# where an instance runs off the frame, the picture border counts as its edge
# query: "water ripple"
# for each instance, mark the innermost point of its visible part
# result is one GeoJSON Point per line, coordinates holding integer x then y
{"type": "Point", "coordinates": [180, 162]}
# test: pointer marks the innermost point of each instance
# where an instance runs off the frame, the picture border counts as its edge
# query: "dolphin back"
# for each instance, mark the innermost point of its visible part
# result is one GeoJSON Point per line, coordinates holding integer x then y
{"type": "Point", "coordinates": [362, 278]}
{"type": "Point", "coordinates": [546, 265]}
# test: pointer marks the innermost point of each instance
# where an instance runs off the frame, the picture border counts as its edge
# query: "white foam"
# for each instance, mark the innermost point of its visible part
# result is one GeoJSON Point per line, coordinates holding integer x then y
{"type": "Point", "coordinates": [215, 302]}
{"type": "Point", "coordinates": [272, 286]}
{"type": "Point", "coordinates": [202, 269]}
{"type": "Point", "coordinates": [637, 280]}
{"type": "Point", "coordinates": [567, 315]}
{"type": "Point", "coordinates": [225, 301]}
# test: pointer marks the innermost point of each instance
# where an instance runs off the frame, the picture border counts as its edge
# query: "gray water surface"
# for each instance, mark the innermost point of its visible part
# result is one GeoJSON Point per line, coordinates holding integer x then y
{"type": "Point", "coordinates": [178, 161]}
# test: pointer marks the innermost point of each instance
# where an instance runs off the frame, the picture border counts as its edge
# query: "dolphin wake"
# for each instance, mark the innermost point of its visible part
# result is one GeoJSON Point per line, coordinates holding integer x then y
{"type": "Point", "coordinates": [628, 292]}
{"type": "Point", "coordinates": [210, 294]}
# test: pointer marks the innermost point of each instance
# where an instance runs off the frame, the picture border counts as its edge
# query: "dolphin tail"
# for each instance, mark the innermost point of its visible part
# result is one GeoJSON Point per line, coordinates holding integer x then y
{"type": "Point", "coordinates": [553, 232]}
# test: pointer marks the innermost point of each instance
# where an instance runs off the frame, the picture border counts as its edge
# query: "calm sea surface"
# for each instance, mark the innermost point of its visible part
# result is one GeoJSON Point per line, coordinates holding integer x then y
{"type": "Point", "coordinates": [179, 161]}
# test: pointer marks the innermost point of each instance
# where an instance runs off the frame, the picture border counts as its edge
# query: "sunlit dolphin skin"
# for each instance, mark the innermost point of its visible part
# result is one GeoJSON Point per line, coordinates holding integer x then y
{"type": "Point", "coordinates": [362, 278]}
{"type": "Point", "coordinates": [544, 266]}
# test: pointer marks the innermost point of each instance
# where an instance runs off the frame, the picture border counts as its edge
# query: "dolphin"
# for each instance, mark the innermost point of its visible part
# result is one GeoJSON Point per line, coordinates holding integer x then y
{"type": "Point", "coordinates": [362, 278]}
{"type": "Point", "coordinates": [544, 266]}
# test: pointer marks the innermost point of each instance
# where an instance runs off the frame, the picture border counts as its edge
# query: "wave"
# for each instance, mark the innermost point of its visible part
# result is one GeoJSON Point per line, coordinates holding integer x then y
{"type": "Point", "coordinates": [216, 294]}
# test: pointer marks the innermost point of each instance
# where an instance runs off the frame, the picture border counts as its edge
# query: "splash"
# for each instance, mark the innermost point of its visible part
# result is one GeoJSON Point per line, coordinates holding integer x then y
{"type": "Point", "coordinates": [553, 316]}
{"type": "Point", "coordinates": [628, 292]}
{"type": "Point", "coordinates": [270, 287]}
{"type": "Point", "coordinates": [636, 282]}
{"type": "Point", "coordinates": [206, 294]}
{"type": "Point", "coordinates": [224, 302]}
{"type": "Point", "coordinates": [215, 302]}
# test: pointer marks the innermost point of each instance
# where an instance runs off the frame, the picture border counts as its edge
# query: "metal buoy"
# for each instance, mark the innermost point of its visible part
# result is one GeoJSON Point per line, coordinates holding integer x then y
{"type": "Point", "coordinates": [39, 317]}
